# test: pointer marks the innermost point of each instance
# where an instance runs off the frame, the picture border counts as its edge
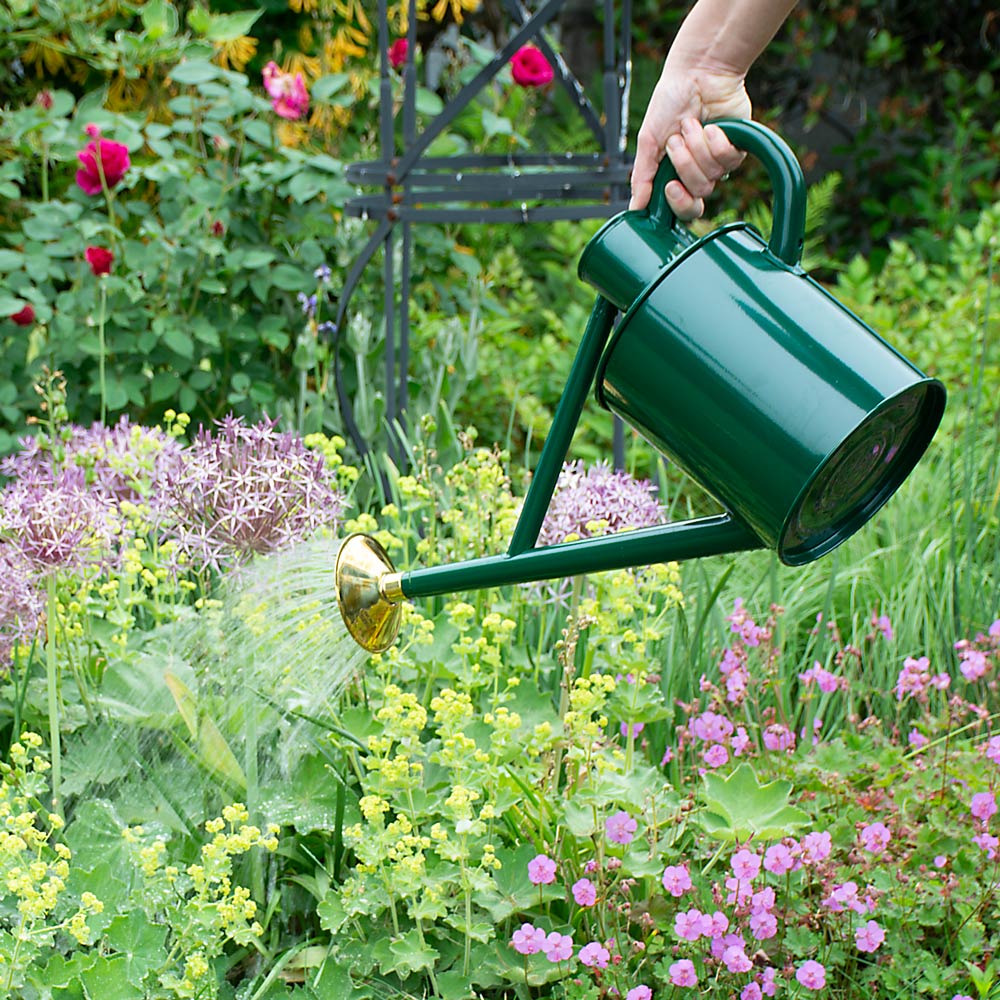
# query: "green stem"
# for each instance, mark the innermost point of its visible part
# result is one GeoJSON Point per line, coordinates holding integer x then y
{"type": "Point", "coordinates": [101, 349]}
{"type": "Point", "coordinates": [52, 683]}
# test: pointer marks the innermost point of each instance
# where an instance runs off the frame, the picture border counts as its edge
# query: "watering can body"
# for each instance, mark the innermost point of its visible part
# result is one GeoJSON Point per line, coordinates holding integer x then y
{"type": "Point", "coordinates": [736, 365]}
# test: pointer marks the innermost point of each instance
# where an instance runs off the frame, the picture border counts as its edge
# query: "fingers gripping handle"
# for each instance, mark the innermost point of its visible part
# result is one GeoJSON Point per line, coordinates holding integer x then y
{"type": "Point", "coordinates": [784, 171]}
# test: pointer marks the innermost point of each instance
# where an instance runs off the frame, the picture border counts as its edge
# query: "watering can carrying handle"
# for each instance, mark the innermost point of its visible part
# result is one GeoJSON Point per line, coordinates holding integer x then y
{"type": "Point", "coordinates": [784, 171]}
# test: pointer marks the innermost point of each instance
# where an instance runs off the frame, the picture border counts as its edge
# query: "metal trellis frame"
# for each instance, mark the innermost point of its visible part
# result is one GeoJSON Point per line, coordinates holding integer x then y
{"type": "Point", "coordinates": [414, 188]}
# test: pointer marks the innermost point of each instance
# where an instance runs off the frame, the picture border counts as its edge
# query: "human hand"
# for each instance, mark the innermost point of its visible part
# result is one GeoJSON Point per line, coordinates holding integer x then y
{"type": "Point", "coordinates": [681, 101]}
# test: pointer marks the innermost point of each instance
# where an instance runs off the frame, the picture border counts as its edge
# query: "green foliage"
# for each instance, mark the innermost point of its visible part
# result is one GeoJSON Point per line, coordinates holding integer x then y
{"type": "Point", "coordinates": [214, 231]}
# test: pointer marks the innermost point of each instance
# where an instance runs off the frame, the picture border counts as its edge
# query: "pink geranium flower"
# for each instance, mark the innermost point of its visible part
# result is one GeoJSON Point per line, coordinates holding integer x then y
{"type": "Point", "coordinates": [528, 939]}
{"type": "Point", "coordinates": [778, 859]}
{"type": "Point", "coordinates": [558, 947]}
{"type": "Point", "coordinates": [682, 973]}
{"type": "Point", "coordinates": [595, 955]}
{"type": "Point", "coordinates": [676, 880]}
{"type": "Point", "coordinates": [584, 892]}
{"type": "Point", "coordinates": [869, 937]}
{"type": "Point", "coordinates": [101, 156]}
{"type": "Point", "coordinates": [530, 68]}
{"type": "Point", "coordinates": [984, 805]}
{"type": "Point", "coordinates": [620, 828]}
{"type": "Point", "coordinates": [289, 97]}
{"type": "Point", "coordinates": [811, 974]}
{"type": "Point", "coordinates": [541, 870]}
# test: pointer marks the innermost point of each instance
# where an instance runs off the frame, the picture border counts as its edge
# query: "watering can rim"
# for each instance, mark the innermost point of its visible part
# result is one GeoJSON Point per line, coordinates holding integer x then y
{"type": "Point", "coordinates": [668, 269]}
{"type": "Point", "coordinates": [932, 410]}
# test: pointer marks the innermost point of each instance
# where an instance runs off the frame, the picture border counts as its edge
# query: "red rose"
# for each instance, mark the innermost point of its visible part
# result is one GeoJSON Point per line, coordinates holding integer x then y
{"type": "Point", "coordinates": [99, 259]}
{"type": "Point", "coordinates": [114, 161]}
{"type": "Point", "coordinates": [530, 68]}
{"type": "Point", "coordinates": [24, 317]}
{"type": "Point", "coordinates": [398, 52]}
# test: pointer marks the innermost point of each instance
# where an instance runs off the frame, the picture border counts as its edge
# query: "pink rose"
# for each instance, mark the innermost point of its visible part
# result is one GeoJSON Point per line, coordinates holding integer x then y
{"type": "Point", "coordinates": [398, 52]}
{"type": "Point", "coordinates": [25, 316]}
{"type": "Point", "coordinates": [100, 259]}
{"type": "Point", "coordinates": [101, 156]}
{"type": "Point", "coordinates": [530, 68]}
{"type": "Point", "coordinates": [289, 97]}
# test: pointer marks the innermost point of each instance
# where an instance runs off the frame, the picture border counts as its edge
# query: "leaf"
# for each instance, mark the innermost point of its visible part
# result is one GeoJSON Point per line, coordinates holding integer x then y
{"type": "Point", "coordinates": [10, 260]}
{"type": "Point", "coordinates": [326, 86]}
{"type": "Point", "coordinates": [107, 978]}
{"type": "Point", "coordinates": [213, 750]}
{"type": "Point", "coordinates": [738, 807]}
{"type": "Point", "coordinates": [405, 954]}
{"type": "Point", "coordinates": [159, 18]}
{"type": "Point", "coordinates": [142, 944]}
{"type": "Point", "coordinates": [228, 27]}
{"type": "Point", "coordinates": [289, 278]}
{"type": "Point", "coordinates": [194, 71]}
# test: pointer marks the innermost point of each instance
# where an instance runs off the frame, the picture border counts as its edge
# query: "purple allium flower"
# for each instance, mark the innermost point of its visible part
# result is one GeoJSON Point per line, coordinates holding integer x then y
{"type": "Point", "coordinates": [242, 491]}
{"type": "Point", "coordinates": [54, 522]}
{"type": "Point", "coordinates": [122, 462]}
{"type": "Point", "coordinates": [20, 602]}
{"type": "Point", "coordinates": [598, 494]}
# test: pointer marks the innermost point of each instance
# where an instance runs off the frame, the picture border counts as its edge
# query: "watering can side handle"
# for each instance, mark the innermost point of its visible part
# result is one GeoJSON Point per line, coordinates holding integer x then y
{"type": "Point", "coordinates": [784, 171]}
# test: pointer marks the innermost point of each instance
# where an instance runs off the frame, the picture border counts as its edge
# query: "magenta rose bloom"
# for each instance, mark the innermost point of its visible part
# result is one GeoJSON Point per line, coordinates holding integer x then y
{"type": "Point", "coordinates": [101, 155]}
{"type": "Point", "coordinates": [100, 259]}
{"type": "Point", "coordinates": [530, 68]}
{"type": "Point", "coordinates": [24, 316]}
{"type": "Point", "coordinates": [289, 97]}
{"type": "Point", "coordinates": [398, 52]}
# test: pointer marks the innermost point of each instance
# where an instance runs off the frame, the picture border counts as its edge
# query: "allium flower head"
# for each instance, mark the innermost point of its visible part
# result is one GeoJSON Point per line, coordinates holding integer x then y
{"type": "Point", "coordinates": [242, 491]}
{"type": "Point", "coordinates": [597, 496]}
{"type": "Point", "coordinates": [101, 156]}
{"type": "Point", "coordinates": [20, 602]}
{"type": "Point", "coordinates": [123, 462]}
{"type": "Point", "coordinates": [55, 522]}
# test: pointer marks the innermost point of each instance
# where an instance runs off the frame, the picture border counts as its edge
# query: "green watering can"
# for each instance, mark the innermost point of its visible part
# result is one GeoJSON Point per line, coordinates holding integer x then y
{"type": "Point", "coordinates": [796, 416]}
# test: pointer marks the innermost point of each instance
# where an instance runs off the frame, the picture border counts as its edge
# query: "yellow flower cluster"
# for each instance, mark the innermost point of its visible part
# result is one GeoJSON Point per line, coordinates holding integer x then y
{"type": "Point", "coordinates": [587, 698]}
{"type": "Point", "coordinates": [33, 867]}
{"type": "Point", "coordinates": [402, 715]}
